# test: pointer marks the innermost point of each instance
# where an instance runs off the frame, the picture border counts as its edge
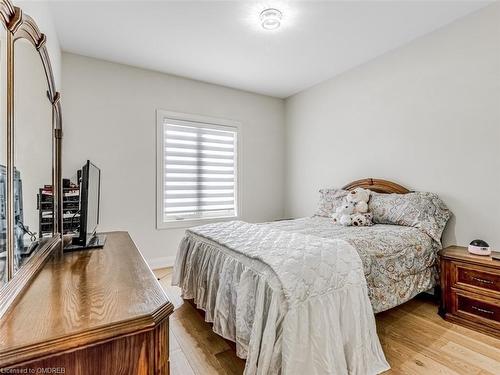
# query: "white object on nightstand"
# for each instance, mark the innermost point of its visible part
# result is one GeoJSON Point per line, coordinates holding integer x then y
{"type": "Point", "coordinates": [479, 247]}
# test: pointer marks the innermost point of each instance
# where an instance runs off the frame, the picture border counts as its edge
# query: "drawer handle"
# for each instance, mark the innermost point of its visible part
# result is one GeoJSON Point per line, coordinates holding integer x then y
{"type": "Point", "coordinates": [482, 310]}
{"type": "Point", "coordinates": [484, 281]}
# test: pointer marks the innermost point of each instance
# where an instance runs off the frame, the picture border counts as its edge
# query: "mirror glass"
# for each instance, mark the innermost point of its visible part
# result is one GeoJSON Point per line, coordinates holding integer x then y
{"type": "Point", "coordinates": [32, 154]}
{"type": "Point", "coordinates": [3, 155]}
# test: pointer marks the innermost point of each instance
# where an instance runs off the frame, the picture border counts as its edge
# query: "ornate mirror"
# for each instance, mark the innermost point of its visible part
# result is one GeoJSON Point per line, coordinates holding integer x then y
{"type": "Point", "coordinates": [33, 224]}
{"type": "Point", "coordinates": [3, 156]}
{"type": "Point", "coordinates": [30, 148]}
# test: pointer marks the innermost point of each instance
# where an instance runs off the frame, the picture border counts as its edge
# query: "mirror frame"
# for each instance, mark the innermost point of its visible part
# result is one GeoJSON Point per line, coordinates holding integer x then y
{"type": "Point", "coordinates": [19, 25]}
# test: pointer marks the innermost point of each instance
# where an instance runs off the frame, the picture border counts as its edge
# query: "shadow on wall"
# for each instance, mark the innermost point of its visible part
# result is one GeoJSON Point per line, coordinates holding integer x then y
{"type": "Point", "coordinates": [449, 234]}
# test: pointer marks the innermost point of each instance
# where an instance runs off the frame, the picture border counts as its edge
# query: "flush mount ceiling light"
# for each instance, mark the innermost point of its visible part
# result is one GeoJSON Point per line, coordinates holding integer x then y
{"type": "Point", "coordinates": [270, 18]}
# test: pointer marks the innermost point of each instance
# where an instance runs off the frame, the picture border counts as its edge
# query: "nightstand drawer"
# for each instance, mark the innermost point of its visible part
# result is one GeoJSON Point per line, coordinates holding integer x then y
{"type": "Point", "coordinates": [475, 277]}
{"type": "Point", "coordinates": [468, 305]}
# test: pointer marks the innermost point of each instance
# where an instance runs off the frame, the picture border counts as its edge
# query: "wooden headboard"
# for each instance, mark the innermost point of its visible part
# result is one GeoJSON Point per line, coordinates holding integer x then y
{"type": "Point", "coordinates": [378, 185]}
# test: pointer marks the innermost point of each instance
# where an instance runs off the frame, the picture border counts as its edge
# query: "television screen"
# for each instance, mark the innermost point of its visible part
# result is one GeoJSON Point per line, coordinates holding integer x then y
{"type": "Point", "coordinates": [89, 204]}
{"type": "Point", "coordinates": [93, 199]}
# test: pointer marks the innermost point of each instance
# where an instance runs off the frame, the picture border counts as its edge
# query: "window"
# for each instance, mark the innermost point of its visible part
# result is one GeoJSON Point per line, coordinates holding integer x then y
{"type": "Point", "coordinates": [197, 169]}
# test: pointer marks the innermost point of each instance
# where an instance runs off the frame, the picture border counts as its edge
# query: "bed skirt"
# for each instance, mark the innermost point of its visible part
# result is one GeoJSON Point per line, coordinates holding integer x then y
{"type": "Point", "coordinates": [243, 299]}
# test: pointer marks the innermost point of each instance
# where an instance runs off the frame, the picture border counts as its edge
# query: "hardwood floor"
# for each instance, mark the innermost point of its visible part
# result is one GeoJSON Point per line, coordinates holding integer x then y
{"type": "Point", "coordinates": [416, 340]}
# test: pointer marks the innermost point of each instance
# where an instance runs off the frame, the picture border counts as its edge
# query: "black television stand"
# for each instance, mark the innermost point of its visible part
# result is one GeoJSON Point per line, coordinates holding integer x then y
{"type": "Point", "coordinates": [97, 241]}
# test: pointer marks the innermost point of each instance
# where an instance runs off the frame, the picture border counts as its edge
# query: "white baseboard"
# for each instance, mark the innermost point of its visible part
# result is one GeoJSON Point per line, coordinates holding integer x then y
{"type": "Point", "coordinates": [161, 262]}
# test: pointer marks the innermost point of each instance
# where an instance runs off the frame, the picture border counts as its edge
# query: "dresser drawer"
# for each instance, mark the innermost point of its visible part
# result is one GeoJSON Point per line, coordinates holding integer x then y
{"type": "Point", "coordinates": [476, 308]}
{"type": "Point", "coordinates": [476, 278]}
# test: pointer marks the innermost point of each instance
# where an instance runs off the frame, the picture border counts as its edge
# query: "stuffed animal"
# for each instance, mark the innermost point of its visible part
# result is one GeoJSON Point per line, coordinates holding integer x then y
{"type": "Point", "coordinates": [359, 197]}
{"type": "Point", "coordinates": [362, 220]}
{"type": "Point", "coordinates": [354, 209]}
{"type": "Point", "coordinates": [342, 214]}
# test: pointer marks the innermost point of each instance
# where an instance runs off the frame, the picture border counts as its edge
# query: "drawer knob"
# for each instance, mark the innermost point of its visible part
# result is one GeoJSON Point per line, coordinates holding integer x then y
{"type": "Point", "coordinates": [484, 281]}
{"type": "Point", "coordinates": [482, 310]}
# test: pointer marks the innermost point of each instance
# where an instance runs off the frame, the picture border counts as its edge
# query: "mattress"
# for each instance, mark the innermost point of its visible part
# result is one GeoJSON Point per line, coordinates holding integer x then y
{"type": "Point", "coordinates": [399, 262]}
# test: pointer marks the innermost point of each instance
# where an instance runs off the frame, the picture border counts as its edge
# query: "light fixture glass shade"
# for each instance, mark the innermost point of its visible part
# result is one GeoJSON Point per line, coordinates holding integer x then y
{"type": "Point", "coordinates": [270, 18]}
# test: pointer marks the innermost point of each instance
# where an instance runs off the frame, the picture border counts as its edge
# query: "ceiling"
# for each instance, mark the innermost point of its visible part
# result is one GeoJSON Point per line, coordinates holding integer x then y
{"type": "Point", "coordinates": [222, 42]}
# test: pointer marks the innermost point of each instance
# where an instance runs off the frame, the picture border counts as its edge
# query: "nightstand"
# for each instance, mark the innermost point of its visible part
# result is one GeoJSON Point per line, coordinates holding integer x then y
{"type": "Point", "coordinates": [470, 290]}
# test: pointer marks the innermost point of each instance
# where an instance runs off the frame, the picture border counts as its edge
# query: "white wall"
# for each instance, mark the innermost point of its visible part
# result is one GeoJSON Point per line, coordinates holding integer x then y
{"type": "Point", "coordinates": [40, 12]}
{"type": "Point", "coordinates": [109, 118]}
{"type": "Point", "coordinates": [426, 115]}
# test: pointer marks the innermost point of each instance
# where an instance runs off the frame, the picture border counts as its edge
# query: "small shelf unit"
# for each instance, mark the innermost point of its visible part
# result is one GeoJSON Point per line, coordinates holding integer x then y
{"type": "Point", "coordinates": [71, 210]}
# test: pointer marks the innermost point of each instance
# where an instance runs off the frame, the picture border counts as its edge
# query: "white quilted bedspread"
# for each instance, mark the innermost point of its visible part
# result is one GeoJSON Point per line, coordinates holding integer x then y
{"type": "Point", "coordinates": [326, 323]}
{"type": "Point", "coordinates": [307, 266]}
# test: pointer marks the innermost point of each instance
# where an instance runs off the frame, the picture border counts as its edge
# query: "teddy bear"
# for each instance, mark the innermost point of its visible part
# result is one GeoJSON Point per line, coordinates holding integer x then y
{"type": "Point", "coordinates": [342, 214]}
{"type": "Point", "coordinates": [359, 197]}
{"type": "Point", "coordinates": [354, 209]}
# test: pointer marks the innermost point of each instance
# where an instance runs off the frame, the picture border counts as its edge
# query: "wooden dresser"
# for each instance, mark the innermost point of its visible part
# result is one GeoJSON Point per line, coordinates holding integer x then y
{"type": "Point", "coordinates": [98, 311]}
{"type": "Point", "coordinates": [470, 286]}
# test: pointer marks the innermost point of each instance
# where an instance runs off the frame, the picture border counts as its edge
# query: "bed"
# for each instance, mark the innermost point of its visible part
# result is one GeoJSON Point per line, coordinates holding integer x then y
{"type": "Point", "coordinates": [299, 295]}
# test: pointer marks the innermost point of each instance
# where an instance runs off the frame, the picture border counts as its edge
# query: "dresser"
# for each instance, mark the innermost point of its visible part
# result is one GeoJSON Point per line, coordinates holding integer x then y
{"type": "Point", "coordinates": [470, 290]}
{"type": "Point", "coordinates": [98, 311]}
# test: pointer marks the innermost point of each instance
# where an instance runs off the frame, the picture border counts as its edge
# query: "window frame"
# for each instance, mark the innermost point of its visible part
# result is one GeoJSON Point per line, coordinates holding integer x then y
{"type": "Point", "coordinates": [201, 121]}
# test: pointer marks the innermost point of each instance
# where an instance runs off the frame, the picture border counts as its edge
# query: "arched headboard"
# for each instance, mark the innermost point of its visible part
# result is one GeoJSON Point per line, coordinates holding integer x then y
{"type": "Point", "coordinates": [378, 185]}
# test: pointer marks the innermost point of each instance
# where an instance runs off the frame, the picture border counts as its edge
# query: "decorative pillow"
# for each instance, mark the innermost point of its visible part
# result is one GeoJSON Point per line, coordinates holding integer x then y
{"type": "Point", "coordinates": [329, 200]}
{"type": "Point", "coordinates": [425, 211]}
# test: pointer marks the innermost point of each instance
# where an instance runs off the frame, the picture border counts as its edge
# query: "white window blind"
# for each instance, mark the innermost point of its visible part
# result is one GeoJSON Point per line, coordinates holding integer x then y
{"type": "Point", "coordinates": [199, 170]}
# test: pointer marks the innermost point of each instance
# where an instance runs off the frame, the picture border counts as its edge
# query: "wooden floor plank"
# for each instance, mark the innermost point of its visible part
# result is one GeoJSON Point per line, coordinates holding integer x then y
{"type": "Point", "coordinates": [415, 339]}
{"type": "Point", "coordinates": [172, 340]}
{"type": "Point", "coordinates": [162, 272]}
{"type": "Point", "coordinates": [488, 364]}
{"type": "Point", "coordinates": [179, 364]}
{"type": "Point", "coordinates": [426, 346]}
{"type": "Point", "coordinates": [230, 362]}
{"type": "Point", "coordinates": [405, 360]}
{"type": "Point", "coordinates": [428, 311]}
{"type": "Point", "coordinates": [437, 330]}
{"type": "Point", "coordinates": [199, 343]}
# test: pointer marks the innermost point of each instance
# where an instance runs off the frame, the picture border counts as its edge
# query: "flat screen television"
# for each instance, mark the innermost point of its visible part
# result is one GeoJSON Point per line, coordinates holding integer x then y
{"type": "Point", "coordinates": [90, 193]}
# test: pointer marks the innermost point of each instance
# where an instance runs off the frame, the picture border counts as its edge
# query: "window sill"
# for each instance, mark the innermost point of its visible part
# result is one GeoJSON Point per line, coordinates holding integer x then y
{"type": "Point", "coordinates": [184, 224]}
